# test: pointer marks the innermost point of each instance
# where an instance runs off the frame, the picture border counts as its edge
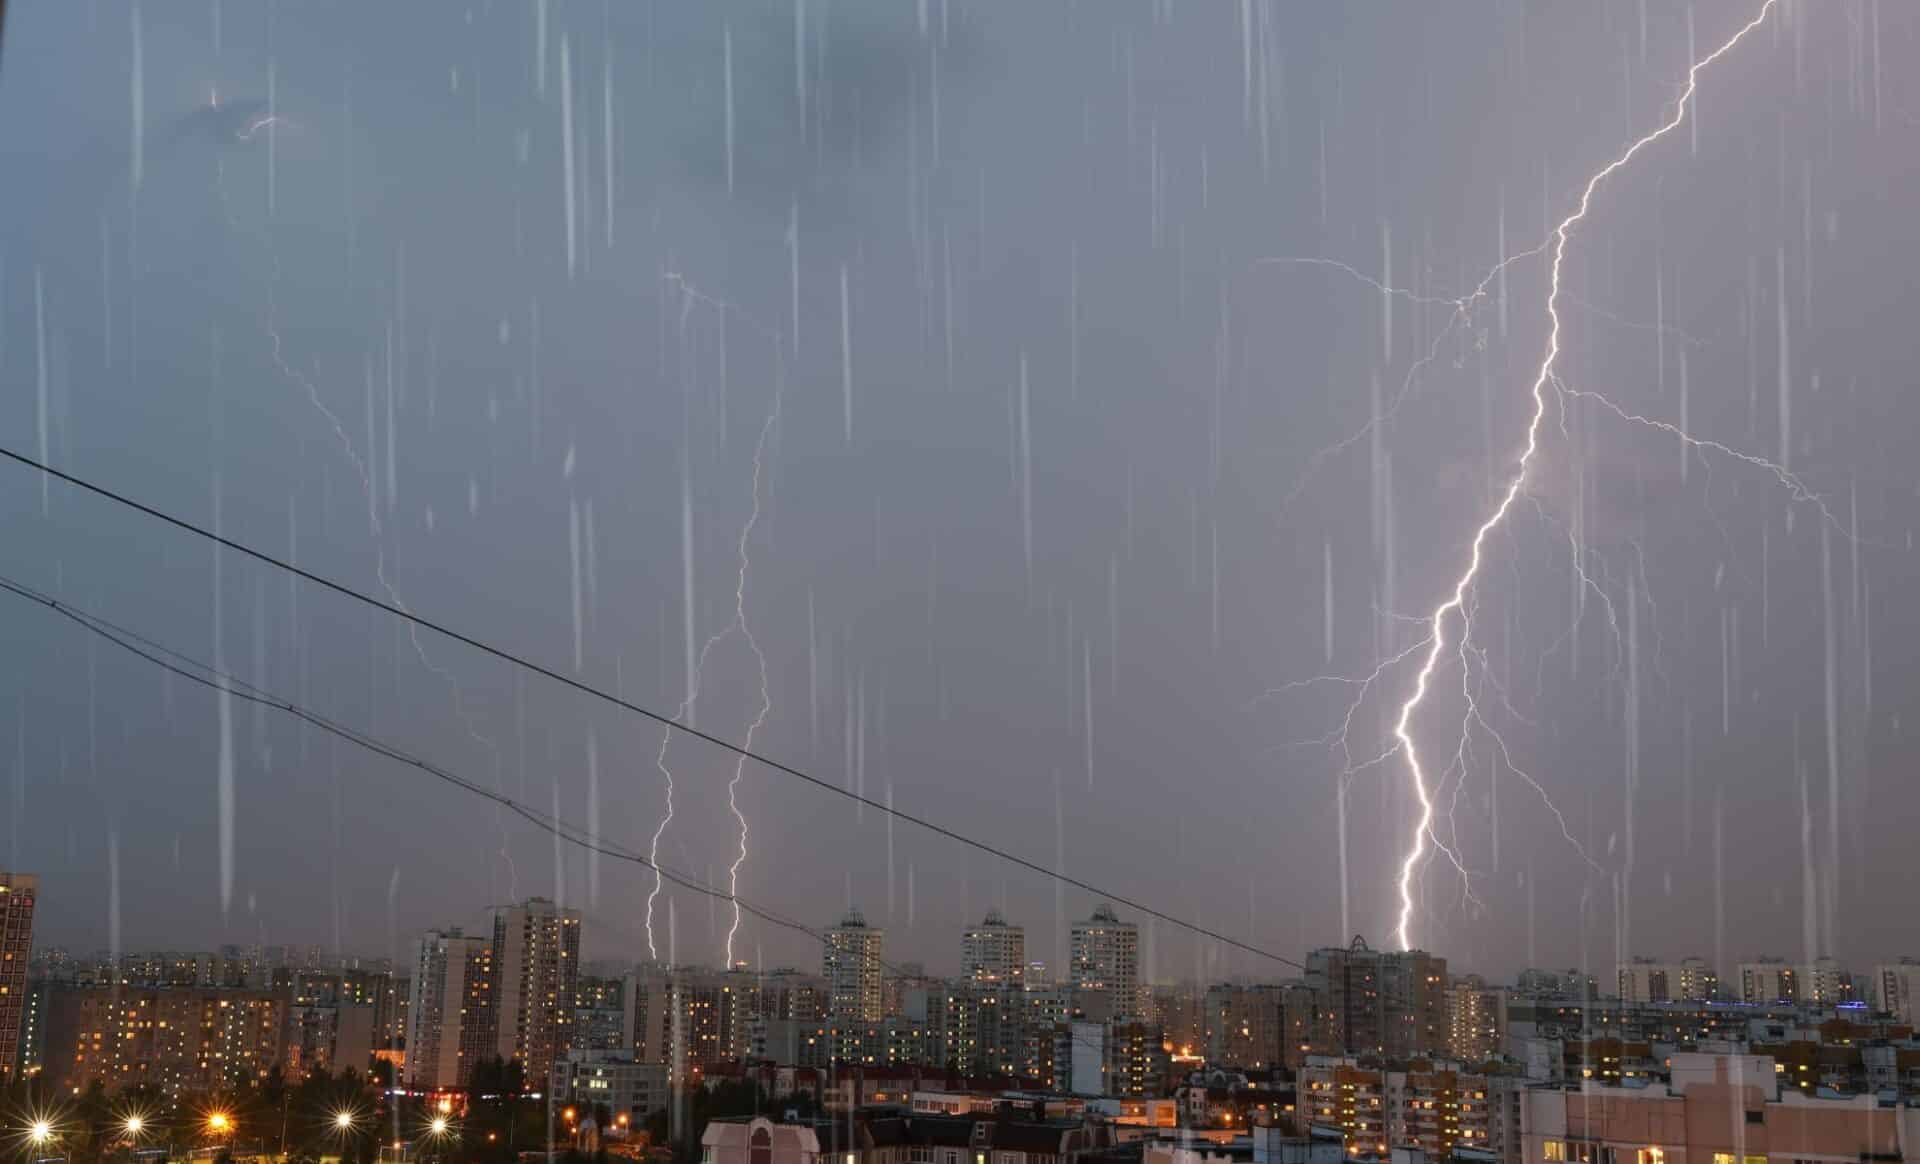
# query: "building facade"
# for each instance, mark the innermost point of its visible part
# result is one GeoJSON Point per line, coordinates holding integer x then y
{"type": "Point", "coordinates": [174, 1039]}
{"type": "Point", "coordinates": [1716, 1109]}
{"type": "Point", "coordinates": [628, 1087]}
{"type": "Point", "coordinates": [18, 891]}
{"type": "Point", "coordinates": [1897, 989]}
{"type": "Point", "coordinates": [1431, 1105]}
{"type": "Point", "coordinates": [1651, 980]}
{"type": "Point", "coordinates": [1246, 1025]}
{"type": "Point", "coordinates": [327, 1038]}
{"type": "Point", "coordinates": [1476, 1020]}
{"type": "Point", "coordinates": [451, 1012]}
{"type": "Point", "coordinates": [994, 951]}
{"type": "Point", "coordinates": [1105, 958]}
{"type": "Point", "coordinates": [1390, 1003]}
{"type": "Point", "coordinates": [1823, 982]}
{"type": "Point", "coordinates": [536, 955]}
{"type": "Point", "coordinates": [850, 961]}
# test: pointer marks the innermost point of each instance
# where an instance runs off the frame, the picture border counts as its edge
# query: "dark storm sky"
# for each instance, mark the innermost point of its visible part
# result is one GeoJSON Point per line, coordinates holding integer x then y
{"type": "Point", "coordinates": [362, 338]}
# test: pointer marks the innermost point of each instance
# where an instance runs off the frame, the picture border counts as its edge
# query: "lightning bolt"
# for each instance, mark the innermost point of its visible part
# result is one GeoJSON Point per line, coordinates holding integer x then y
{"type": "Point", "coordinates": [660, 830]}
{"type": "Point", "coordinates": [1462, 313]}
{"type": "Point", "coordinates": [1456, 603]}
{"type": "Point", "coordinates": [738, 622]}
{"type": "Point", "coordinates": [746, 631]}
{"type": "Point", "coordinates": [1788, 480]}
{"type": "Point", "coordinates": [256, 124]}
{"type": "Point", "coordinates": [365, 474]}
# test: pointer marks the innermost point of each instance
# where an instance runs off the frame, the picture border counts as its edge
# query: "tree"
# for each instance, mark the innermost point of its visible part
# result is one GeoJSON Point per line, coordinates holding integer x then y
{"type": "Point", "coordinates": [93, 1119]}
{"type": "Point", "coordinates": [743, 1097]}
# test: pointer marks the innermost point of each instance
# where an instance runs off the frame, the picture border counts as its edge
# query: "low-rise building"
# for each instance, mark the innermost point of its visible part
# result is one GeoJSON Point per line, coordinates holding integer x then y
{"type": "Point", "coordinates": [895, 1135]}
{"type": "Point", "coordinates": [625, 1085]}
{"type": "Point", "coordinates": [1716, 1109]}
{"type": "Point", "coordinates": [1435, 1106]}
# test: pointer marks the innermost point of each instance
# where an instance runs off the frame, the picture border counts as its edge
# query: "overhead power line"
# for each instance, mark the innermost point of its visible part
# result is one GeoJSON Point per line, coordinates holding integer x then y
{"type": "Point", "coordinates": [666, 721]}
{"type": "Point", "coordinates": [207, 675]}
{"type": "Point", "coordinates": [211, 677]}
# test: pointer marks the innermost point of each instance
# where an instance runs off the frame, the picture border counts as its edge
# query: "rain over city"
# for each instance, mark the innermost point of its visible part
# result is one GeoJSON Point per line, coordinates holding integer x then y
{"type": "Point", "coordinates": [959, 581]}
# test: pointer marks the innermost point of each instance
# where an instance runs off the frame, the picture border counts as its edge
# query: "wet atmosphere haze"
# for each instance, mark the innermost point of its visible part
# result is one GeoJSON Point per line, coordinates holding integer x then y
{"type": "Point", "coordinates": [1057, 410]}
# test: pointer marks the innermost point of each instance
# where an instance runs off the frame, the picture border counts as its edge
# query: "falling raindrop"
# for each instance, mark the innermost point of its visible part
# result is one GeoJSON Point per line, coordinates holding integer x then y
{"type": "Point", "coordinates": [686, 584]}
{"type": "Point", "coordinates": [606, 145]}
{"type": "Point", "coordinates": [1086, 687]}
{"type": "Point", "coordinates": [593, 817]}
{"type": "Point", "coordinates": [1026, 475]}
{"type": "Point", "coordinates": [40, 379]}
{"type": "Point", "coordinates": [726, 37]}
{"type": "Point", "coordinates": [113, 893]}
{"type": "Point", "coordinates": [137, 84]}
{"type": "Point", "coordinates": [566, 138]}
{"type": "Point", "coordinates": [225, 710]}
{"type": "Point", "coordinates": [846, 357]}
{"type": "Point", "coordinates": [1326, 609]}
{"type": "Point", "coordinates": [573, 555]}
{"type": "Point", "coordinates": [1832, 701]}
{"type": "Point", "coordinates": [1786, 368]}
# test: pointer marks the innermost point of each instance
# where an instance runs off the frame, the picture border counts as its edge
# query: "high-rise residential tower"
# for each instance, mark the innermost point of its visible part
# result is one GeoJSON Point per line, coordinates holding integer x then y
{"type": "Point", "coordinates": [1105, 957]}
{"type": "Point", "coordinates": [17, 894]}
{"type": "Point", "coordinates": [1378, 1002]}
{"type": "Point", "coordinates": [850, 962]}
{"type": "Point", "coordinates": [450, 1009]}
{"type": "Point", "coordinates": [536, 965]}
{"type": "Point", "coordinates": [994, 951]}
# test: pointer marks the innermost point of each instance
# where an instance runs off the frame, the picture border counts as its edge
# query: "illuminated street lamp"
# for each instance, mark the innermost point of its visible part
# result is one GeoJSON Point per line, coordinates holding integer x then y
{"type": "Point", "coordinates": [220, 1126]}
{"type": "Point", "coordinates": [39, 1132]}
{"type": "Point", "coordinates": [440, 1132]}
{"type": "Point", "coordinates": [343, 1122]}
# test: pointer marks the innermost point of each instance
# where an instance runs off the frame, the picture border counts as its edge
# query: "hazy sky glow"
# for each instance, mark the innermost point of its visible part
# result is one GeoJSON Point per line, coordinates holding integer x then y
{"type": "Point", "coordinates": [1071, 475]}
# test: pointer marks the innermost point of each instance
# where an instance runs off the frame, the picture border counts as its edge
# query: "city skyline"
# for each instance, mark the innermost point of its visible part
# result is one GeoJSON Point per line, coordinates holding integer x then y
{"type": "Point", "coordinates": [864, 582]}
{"type": "Point", "coordinates": [1003, 409]}
{"type": "Point", "coordinates": [1759, 979]}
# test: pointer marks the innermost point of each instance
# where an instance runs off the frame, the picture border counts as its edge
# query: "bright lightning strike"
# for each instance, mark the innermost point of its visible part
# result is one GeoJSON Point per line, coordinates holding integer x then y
{"type": "Point", "coordinates": [760, 658]}
{"type": "Point", "coordinates": [1456, 603]}
{"type": "Point", "coordinates": [738, 622]}
{"type": "Point", "coordinates": [1462, 313]}
{"type": "Point", "coordinates": [1786, 477]}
